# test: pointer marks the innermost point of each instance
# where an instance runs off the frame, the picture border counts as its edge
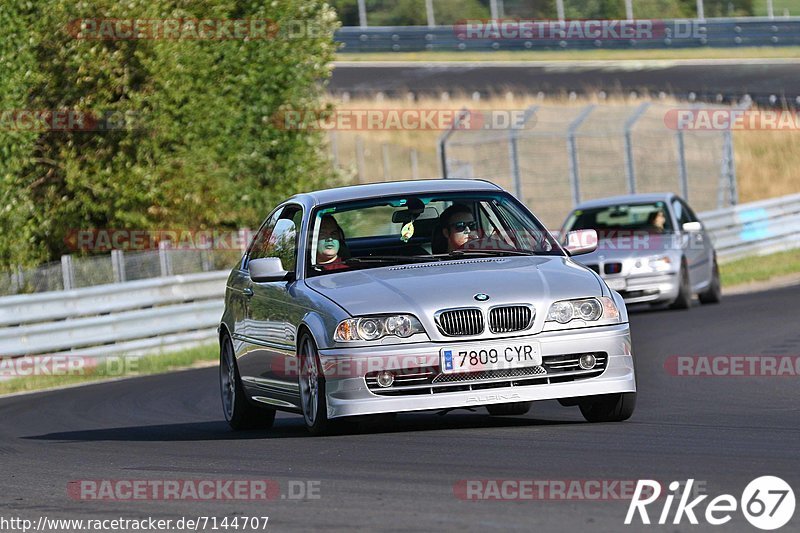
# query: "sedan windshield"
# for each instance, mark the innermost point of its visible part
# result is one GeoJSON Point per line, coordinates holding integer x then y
{"type": "Point", "coordinates": [622, 220]}
{"type": "Point", "coordinates": [421, 228]}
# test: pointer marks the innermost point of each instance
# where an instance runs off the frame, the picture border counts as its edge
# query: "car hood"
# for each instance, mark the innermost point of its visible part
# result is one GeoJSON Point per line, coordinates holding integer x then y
{"type": "Point", "coordinates": [622, 248]}
{"type": "Point", "coordinates": [424, 288]}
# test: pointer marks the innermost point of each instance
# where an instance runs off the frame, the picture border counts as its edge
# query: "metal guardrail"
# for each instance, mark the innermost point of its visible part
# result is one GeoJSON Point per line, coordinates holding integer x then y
{"type": "Point", "coordinates": [131, 318]}
{"type": "Point", "coordinates": [164, 314]}
{"type": "Point", "coordinates": [728, 32]}
{"type": "Point", "coordinates": [755, 228]}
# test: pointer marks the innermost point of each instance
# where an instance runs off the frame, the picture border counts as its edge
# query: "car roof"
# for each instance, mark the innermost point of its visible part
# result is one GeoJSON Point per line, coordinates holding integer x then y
{"type": "Point", "coordinates": [393, 188]}
{"type": "Point", "coordinates": [626, 199]}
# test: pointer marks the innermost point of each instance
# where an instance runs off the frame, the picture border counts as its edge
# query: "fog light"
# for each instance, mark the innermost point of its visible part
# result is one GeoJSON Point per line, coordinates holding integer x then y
{"type": "Point", "coordinates": [587, 361]}
{"type": "Point", "coordinates": [385, 378]}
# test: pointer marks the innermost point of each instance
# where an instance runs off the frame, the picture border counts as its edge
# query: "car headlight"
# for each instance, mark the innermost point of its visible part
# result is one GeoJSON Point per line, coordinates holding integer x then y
{"type": "Point", "coordinates": [656, 263]}
{"type": "Point", "coordinates": [588, 309]}
{"type": "Point", "coordinates": [371, 328]}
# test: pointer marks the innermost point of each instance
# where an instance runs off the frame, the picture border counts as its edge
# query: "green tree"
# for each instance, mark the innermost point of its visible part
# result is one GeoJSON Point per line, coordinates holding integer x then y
{"type": "Point", "coordinates": [198, 147]}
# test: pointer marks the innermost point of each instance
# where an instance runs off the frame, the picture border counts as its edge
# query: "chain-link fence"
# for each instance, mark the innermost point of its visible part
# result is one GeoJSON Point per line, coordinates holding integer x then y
{"type": "Point", "coordinates": [367, 161]}
{"type": "Point", "coordinates": [73, 272]}
{"type": "Point", "coordinates": [564, 155]}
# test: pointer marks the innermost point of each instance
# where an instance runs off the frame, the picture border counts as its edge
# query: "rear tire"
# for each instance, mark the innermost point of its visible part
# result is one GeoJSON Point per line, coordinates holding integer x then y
{"type": "Point", "coordinates": [713, 294]}
{"type": "Point", "coordinates": [509, 409]}
{"type": "Point", "coordinates": [684, 299]}
{"type": "Point", "coordinates": [239, 412]}
{"type": "Point", "coordinates": [608, 407]}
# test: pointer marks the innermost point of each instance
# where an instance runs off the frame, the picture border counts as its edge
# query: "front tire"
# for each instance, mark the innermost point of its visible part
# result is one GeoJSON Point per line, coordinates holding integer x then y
{"type": "Point", "coordinates": [684, 299]}
{"type": "Point", "coordinates": [312, 388]}
{"type": "Point", "coordinates": [239, 412]}
{"type": "Point", "coordinates": [608, 407]}
{"type": "Point", "coordinates": [713, 294]}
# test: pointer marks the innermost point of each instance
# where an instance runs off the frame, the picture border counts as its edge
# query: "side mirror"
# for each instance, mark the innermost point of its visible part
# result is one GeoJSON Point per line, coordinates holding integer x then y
{"type": "Point", "coordinates": [267, 269]}
{"type": "Point", "coordinates": [690, 227]}
{"type": "Point", "coordinates": [582, 241]}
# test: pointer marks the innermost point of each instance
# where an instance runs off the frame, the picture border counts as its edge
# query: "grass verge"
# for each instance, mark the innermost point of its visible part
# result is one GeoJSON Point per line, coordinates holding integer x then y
{"type": "Point", "coordinates": [760, 268]}
{"type": "Point", "coordinates": [752, 52]}
{"type": "Point", "coordinates": [114, 368]}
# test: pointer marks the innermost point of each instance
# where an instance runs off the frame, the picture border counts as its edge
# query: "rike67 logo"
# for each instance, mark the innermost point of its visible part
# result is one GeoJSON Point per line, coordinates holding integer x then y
{"type": "Point", "coordinates": [767, 502]}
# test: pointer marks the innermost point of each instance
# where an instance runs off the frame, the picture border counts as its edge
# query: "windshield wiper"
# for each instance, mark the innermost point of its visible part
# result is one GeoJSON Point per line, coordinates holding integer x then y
{"type": "Point", "coordinates": [389, 258]}
{"type": "Point", "coordinates": [483, 252]}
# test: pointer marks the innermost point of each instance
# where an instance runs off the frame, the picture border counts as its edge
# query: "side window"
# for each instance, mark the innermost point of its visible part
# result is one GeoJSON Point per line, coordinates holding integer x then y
{"type": "Point", "coordinates": [278, 237]}
{"type": "Point", "coordinates": [681, 213]}
{"type": "Point", "coordinates": [689, 213]}
{"type": "Point", "coordinates": [258, 248]}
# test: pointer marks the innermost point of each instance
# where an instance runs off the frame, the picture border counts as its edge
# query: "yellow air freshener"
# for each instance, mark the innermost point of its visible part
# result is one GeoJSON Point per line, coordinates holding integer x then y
{"type": "Point", "coordinates": [407, 232]}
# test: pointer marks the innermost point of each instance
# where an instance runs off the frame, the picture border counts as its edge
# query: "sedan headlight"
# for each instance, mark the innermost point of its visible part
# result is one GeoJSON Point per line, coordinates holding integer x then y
{"type": "Point", "coordinates": [588, 309]}
{"type": "Point", "coordinates": [371, 328]}
{"type": "Point", "coordinates": [656, 263]}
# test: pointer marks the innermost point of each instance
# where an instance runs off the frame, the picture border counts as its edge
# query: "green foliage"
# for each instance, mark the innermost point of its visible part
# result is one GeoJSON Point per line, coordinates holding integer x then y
{"type": "Point", "coordinates": [196, 144]}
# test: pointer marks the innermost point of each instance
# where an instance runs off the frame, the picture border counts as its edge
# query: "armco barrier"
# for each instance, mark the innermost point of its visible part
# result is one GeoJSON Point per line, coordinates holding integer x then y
{"type": "Point", "coordinates": [127, 318]}
{"type": "Point", "coordinates": [163, 314]}
{"type": "Point", "coordinates": [728, 32]}
{"type": "Point", "coordinates": [755, 228]}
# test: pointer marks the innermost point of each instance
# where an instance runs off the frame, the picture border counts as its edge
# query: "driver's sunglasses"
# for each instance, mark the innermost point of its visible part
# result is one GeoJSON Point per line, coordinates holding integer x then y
{"type": "Point", "coordinates": [465, 226]}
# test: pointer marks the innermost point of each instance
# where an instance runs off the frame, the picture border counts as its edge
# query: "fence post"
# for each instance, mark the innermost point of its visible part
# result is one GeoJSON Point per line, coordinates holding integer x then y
{"type": "Point", "coordinates": [574, 171]}
{"type": "Point", "coordinates": [360, 159]}
{"type": "Point", "coordinates": [630, 171]}
{"type": "Point", "coordinates": [414, 164]}
{"type": "Point", "coordinates": [728, 171]}
{"type": "Point", "coordinates": [442, 146]}
{"type": "Point", "coordinates": [67, 272]}
{"type": "Point", "coordinates": [682, 173]}
{"type": "Point", "coordinates": [118, 265]}
{"type": "Point", "coordinates": [513, 150]}
{"type": "Point", "coordinates": [385, 158]}
{"type": "Point", "coordinates": [20, 275]}
{"type": "Point", "coordinates": [164, 258]}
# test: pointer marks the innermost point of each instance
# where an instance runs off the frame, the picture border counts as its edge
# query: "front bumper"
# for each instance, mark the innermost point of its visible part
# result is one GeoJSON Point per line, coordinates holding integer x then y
{"type": "Point", "coordinates": [653, 288]}
{"type": "Point", "coordinates": [348, 394]}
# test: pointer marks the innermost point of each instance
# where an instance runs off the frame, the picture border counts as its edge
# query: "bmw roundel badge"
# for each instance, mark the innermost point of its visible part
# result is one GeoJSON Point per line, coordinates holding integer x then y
{"type": "Point", "coordinates": [481, 297]}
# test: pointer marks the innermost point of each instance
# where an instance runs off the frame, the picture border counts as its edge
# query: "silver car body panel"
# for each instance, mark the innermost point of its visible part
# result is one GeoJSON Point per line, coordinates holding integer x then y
{"type": "Point", "coordinates": [657, 287]}
{"type": "Point", "coordinates": [265, 327]}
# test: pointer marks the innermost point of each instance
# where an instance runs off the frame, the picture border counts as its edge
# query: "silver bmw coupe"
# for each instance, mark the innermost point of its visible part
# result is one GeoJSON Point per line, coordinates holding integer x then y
{"type": "Point", "coordinates": [418, 295]}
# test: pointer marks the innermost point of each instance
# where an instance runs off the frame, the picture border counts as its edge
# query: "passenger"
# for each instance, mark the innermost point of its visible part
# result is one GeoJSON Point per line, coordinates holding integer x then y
{"type": "Point", "coordinates": [456, 227]}
{"type": "Point", "coordinates": [657, 220]}
{"type": "Point", "coordinates": [330, 241]}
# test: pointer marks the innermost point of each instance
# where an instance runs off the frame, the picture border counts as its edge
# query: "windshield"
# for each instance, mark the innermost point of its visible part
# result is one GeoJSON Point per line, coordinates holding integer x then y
{"type": "Point", "coordinates": [623, 219]}
{"type": "Point", "coordinates": [408, 229]}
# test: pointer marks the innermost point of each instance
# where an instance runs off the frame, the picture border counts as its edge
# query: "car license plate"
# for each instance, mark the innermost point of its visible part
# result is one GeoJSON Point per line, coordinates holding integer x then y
{"type": "Point", "coordinates": [494, 356]}
{"type": "Point", "coordinates": [617, 284]}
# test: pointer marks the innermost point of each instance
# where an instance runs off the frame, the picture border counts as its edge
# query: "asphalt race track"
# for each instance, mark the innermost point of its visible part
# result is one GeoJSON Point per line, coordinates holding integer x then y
{"type": "Point", "coordinates": [732, 79]}
{"type": "Point", "coordinates": [723, 431]}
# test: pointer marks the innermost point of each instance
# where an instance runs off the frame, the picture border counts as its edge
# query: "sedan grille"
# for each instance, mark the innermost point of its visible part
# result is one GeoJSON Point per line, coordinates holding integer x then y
{"type": "Point", "coordinates": [510, 318]}
{"type": "Point", "coordinates": [460, 322]}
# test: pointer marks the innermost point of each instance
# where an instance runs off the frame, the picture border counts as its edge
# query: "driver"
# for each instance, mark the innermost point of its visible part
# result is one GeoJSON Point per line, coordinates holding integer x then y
{"type": "Point", "coordinates": [329, 242]}
{"type": "Point", "coordinates": [458, 226]}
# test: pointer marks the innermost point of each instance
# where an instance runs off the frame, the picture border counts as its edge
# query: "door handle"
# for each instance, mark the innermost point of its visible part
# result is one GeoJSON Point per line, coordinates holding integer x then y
{"type": "Point", "coordinates": [247, 291]}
